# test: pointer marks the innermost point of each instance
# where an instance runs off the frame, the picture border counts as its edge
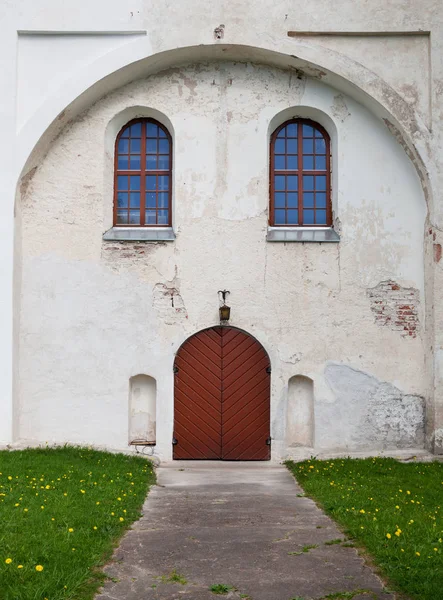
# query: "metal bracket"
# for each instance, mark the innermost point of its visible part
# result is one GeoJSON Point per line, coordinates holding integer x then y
{"type": "Point", "coordinates": [268, 369]}
{"type": "Point", "coordinates": [174, 441]}
{"type": "Point", "coordinates": [175, 369]}
{"type": "Point", "coordinates": [268, 441]}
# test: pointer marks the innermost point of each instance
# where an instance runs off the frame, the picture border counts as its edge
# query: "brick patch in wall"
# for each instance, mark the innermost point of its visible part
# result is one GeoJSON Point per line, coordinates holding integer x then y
{"type": "Point", "coordinates": [395, 307]}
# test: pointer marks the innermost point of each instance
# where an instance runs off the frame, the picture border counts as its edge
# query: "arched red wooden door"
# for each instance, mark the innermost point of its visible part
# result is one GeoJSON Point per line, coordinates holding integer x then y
{"type": "Point", "coordinates": [222, 397]}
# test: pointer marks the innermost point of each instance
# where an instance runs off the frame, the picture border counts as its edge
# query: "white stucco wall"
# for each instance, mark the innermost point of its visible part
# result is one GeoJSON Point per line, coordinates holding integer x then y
{"type": "Point", "coordinates": [94, 314]}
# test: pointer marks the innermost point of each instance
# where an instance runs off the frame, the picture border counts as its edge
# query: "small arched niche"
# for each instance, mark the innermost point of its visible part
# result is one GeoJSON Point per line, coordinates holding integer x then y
{"type": "Point", "coordinates": [142, 409]}
{"type": "Point", "coordinates": [300, 412]}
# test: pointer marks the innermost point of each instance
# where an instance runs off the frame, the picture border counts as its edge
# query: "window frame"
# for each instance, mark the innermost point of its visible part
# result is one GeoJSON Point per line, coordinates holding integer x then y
{"type": "Point", "coordinates": [300, 172]}
{"type": "Point", "coordinates": [142, 172]}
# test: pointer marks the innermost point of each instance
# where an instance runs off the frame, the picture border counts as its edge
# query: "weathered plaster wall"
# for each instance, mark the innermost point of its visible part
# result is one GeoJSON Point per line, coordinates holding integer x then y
{"type": "Point", "coordinates": [93, 314]}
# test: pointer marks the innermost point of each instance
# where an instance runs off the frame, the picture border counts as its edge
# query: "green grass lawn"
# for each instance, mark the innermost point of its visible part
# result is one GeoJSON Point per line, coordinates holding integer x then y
{"type": "Point", "coordinates": [391, 509]}
{"type": "Point", "coordinates": [62, 511]}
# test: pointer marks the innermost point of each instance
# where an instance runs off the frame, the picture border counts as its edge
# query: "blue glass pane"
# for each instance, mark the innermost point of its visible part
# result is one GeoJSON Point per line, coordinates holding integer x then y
{"type": "Point", "coordinates": [136, 130]}
{"type": "Point", "coordinates": [280, 217]}
{"type": "Point", "coordinates": [279, 182]}
{"type": "Point", "coordinates": [122, 217]}
{"type": "Point", "coordinates": [151, 182]}
{"type": "Point", "coordinates": [320, 200]}
{"type": "Point", "coordinates": [279, 147]}
{"type": "Point", "coordinates": [291, 130]}
{"type": "Point", "coordinates": [161, 133]}
{"type": "Point", "coordinates": [280, 200]}
{"type": "Point", "coordinates": [125, 133]}
{"type": "Point", "coordinates": [292, 162]}
{"type": "Point", "coordinates": [122, 200]}
{"type": "Point", "coordinates": [163, 146]}
{"type": "Point", "coordinates": [163, 182]}
{"type": "Point", "coordinates": [320, 217]}
{"type": "Point", "coordinates": [308, 131]}
{"type": "Point", "coordinates": [163, 217]}
{"type": "Point", "coordinates": [308, 217]}
{"type": "Point", "coordinates": [134, 198]}
{"type": "Point", "coordinates": [308, 182]}
{"type": "Point", "coordinates": [134, 217]}
{"type": "Point", "coordinates": [320, 182]}
{"type": "Point", "coordinates": [292, 182]}
{"type": "Point", "coordinates": [308, 163]}
{"type": "Point", "coordinates": [135, 146]}
{"type": "Point", "coordinates": [151, 130]}
{"type": "Point", "coordinates": [151, 146]}
{"type": "Point", "coordinates": [122, 163]}
{"type": "Point", "coordinates": [151, 217]}
{"type": "Point", "coordinates": [123, 146]}
{"type": "Point", "coordinates": [308, 200]}
{"type": "Point", "coordinates": [308, 146]}
{"type": "Point", "coordinates": [134, 182]}
{"type": "Point", "coordinates": [292, 217]}
{"type": "Point", "coordinates": [151, 162]}
{"type": "Point", "coordinates": [292, 146]}
{"type": "Point", "coordinates": [320, 146]}
{"type": "Point", "coordinates": [292, 200]}
{"type": "Point", "coordinates": [163, 162]}
{"type": "Point", "coordinates": [163, 200]}
{"type": "Point", "coordinates": [122, 182]}
{"type": "Point", "coordinates": [134, 163]}
{"type": "Point", "coordinates": [281, 133]}
{"type": "Point", "coordinates": [151, 200]}
{"type": "Point", "coordinates": [279, 161]}
{"type": "Point", "coordinates": [320, 163]}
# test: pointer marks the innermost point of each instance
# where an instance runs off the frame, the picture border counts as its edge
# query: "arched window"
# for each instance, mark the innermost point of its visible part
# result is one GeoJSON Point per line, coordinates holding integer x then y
{"type": "Point", "coordinates": [143, 175]}
{"type": "Point", "coordinates": [300, 180]}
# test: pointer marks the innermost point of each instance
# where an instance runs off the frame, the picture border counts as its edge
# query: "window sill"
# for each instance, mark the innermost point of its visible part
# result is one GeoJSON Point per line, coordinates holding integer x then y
{"type": "Point", "coordinates": [139, 234]}
{"type": "Point", "coordinates": [302, 234]}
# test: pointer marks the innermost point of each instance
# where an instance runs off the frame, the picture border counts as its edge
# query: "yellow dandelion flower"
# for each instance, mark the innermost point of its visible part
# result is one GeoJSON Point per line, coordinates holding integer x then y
{"type": "Point", "coordinates": [83, 491]}
{"type": "Point", "coordinates": [19, 566]}
{"type": "Point", "coordinates": [398, 532]}
{"type": "Point", "coordinates": [408, 492]}
{"type": "Point", "coordinates": [39, 568]}
{"type": "Point", "coordinates": [417, 554]}
{"type": "Point", "coordinates": [397, 506]}
{"type": "Point", "coordinates": [121, 519]}
{"type": "Point", "coordinates": [362, 512]}
{"type": "Point", "coordinates": [97, 502]}
{"type": "Point", "coordinates": [112, 514]}
{"type": "Point", "coordinates": [70, 530]}
{"type": "Point", "coordinates": [95, 527]}
{"type": "Point", "coordinates": [8, 561]}
{"type": "Point", "coordinates": [435, 549]}
{"type": "Point", "coordinates": [402, 550]}
{"type": "Point", "coordinates": [388, 535]}
{"type": "Point", "coordinates": [16, 504]}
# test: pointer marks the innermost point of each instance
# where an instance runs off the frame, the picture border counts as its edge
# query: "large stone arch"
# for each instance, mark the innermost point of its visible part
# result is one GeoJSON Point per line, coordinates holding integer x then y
{"type": "Point", "coordinates": [117, 68]}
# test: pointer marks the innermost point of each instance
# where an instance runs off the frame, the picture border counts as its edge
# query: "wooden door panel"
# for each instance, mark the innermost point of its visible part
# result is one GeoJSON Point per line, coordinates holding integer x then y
{"type": "Point", "coordinates": [222, 397]}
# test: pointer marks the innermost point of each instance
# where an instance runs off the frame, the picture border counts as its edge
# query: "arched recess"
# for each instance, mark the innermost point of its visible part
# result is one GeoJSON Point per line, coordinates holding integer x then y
{"type": "Point", "coordinates": [142, 409]}
{"type": "Point", "coordinates": [300, 412]}
{"type": "Point", "coordinates": [222, 397]}
{"type": "Point", "coordinates": [135, 60]}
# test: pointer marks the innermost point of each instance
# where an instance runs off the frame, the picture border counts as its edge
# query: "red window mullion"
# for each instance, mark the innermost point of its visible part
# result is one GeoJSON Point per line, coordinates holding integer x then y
{"type": "Point", "coordinates": [143, 175]}
{"type": "Point", "coordinates": [300, 171]}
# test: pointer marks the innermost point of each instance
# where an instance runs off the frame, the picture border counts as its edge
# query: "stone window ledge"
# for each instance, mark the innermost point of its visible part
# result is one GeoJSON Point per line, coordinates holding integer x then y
{"type": "Point", "coordinates": [139, 234]}
{"type": "Point", "coordinates": [302, 234]}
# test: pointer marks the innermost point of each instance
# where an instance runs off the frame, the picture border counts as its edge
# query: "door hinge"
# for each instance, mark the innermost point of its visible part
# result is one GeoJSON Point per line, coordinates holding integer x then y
{"type": "Point", "coordinates": [268, 441]}
{"type": "Point", "coordinates": [268, 369]}
{"type": "Point", "coordinates": [175, 369]}
{"type": "Point", "coordinates": [174, 441]}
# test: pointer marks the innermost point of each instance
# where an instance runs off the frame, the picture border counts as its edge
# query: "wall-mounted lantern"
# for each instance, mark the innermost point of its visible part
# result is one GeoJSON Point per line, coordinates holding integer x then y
{"type": "Point", "coordinates": [224, 310]}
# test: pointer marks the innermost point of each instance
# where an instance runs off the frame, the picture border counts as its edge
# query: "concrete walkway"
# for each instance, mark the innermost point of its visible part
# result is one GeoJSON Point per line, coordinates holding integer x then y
{"type": "Point", "coordinates": [236, 524]}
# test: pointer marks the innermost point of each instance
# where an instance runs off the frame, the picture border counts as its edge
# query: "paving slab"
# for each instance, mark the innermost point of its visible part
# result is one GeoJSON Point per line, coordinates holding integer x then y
{"type": "Point", "coordinates": [243, 525]}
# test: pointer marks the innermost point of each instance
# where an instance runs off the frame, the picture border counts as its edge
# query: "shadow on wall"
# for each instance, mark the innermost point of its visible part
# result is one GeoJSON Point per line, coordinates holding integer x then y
{"type": "Point", "coordinates": [142, 409]}
{"type": "Point", "coordinates": [300, 413]}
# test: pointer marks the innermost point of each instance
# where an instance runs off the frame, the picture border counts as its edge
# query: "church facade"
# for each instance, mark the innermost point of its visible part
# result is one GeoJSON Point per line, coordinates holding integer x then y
{"type": "Point", "coordinates": [222, 227]}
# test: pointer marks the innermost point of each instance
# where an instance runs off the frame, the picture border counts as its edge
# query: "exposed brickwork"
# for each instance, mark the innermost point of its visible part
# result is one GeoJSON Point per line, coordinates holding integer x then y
{"type": "Point", "coordinates": [395, 307]}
